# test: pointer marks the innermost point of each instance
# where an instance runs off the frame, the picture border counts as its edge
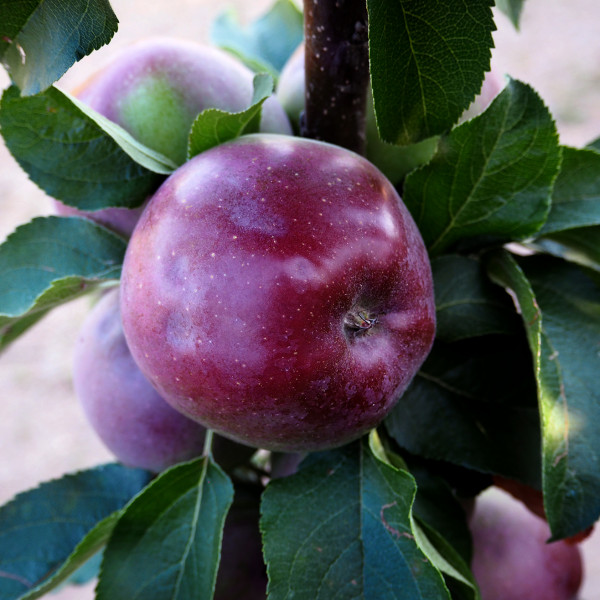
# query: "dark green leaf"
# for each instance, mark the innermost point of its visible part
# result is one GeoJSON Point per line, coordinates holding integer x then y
{"type": "Point", "coordinates": [512, 9]}
{"type": "Point", "coordinates": [473, 403]}
{"type": "Point", "coordinates": [437, 506]}
{"type": "Point", "coordinates": [491, 176]}
{"type": "Point", "coordinates": [88, 570]}
{"type": "Point", "coordinates": [41, 39]}
{"type": "Point", "coordinates": [214, 126]}
{"type": "Point", "coordinates": [76, 155]}
{"type": "Point", "coordinates": [468, 304]}
{"type": "Point", "coordinates": [342, 528]}
{"type": "Point", "coordinates": [428, 60]}
{"type": "Point", "coordinates": [560, 307]}
{"type": "Point", "coordinates": [47, 532]}
{"type": "Point", "coordinates": [88, 549]}
{"type": "Point", "coordinates": [463, 588]}
{"type": "Point", "coordinates": [49, 261]}
{"type": "Point", "coordinates": [581, 246]}
{"type": "Point", "coordinates": [576, 195]}
{"type": "Point", "coordinates": [167, 542]}
{"type": "Point", "coordinates": [265, 44]}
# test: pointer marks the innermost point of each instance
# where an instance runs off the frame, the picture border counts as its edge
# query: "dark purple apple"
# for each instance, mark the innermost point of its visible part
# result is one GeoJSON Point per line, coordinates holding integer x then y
{"type": "Point", "coordinates": [277, 290]}
{"type": "Point", "coordinates": [511, 556]}
{"type": "Point", "coordinates": [156, 88]}
{"type": "Point", "coordinates": [126, 412]}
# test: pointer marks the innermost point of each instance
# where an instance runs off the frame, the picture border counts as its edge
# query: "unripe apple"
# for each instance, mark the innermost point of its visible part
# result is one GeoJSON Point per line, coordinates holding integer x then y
{"type": "Point", "coordinates": [394, 161]}
{"type": "Point", "coordinates": [511, 556]}
{"type": "Point", "coordinates": [126, 412]}
{"type": "Point", "coordinates": [157, 87]}
{"type": "Point", "coordinates": [277, 290]}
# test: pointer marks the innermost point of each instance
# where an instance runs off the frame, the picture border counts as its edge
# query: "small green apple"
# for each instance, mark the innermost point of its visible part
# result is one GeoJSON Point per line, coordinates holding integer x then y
{"type": "Point", "coordinates": [155, 89]}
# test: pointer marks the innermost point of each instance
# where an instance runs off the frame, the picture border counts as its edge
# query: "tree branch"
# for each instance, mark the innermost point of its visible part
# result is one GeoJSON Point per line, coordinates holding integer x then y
{"type": "Point", "coordinates": [336, 71]}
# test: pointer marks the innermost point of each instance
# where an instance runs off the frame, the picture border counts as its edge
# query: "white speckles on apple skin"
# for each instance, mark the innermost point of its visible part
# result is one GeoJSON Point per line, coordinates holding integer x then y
{"type": "Point", "coordinates": [255, 279]}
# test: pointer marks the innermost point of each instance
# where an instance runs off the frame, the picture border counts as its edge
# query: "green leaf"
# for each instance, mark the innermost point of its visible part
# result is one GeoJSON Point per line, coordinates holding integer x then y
{"type": "Point", "coordinates": [341, 527]}
{"type": "Point", "coordinates": [47, 532]}
{"type": "Point", "coordinates": [49, 261]}
{"type": "Point", "coordinates": [581, 246]}
{"type": "Point", "coordinates": [595, 145]}
{"type": "Point", "coordinates": [512, 9]}
{"type": "Point", "coordinates": [491, 176]}
{"type": "Point", "coordinates": [90, 547]}
{"type": "Point", "coordinates": [463, 586]}
{"type": "Point", "coordinates": [41, 39]}
{"type": "Point", "coordinates": [265, 44]}
{"type": "Point", "coordinates": [437, 506]}
{"type": "Point", "coordinates": [576, 195]}
{"type": "Point", "coordinates": [473, 404]}
{"type": "Point", "coordinates": [468, 304]}
{"type": "Point", "coordinates": [167, 542]}
{"type": "Point", "coordinates": [77, 156]}
{"type": "Point", "coordinates": [214, 126]}
{"type": "Point", "coordinates": [560, 307]}
{"type": "Point", "coordinates": [428, 61]}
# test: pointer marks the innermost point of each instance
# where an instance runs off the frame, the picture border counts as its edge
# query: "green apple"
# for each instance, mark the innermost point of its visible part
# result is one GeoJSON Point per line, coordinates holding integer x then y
{"type": "Point", "coordinates": [155, 89]}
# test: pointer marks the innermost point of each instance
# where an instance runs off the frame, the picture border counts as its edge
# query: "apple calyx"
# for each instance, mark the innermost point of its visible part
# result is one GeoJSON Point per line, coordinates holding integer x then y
{"type": "Point", "coordinates": [359, 321]}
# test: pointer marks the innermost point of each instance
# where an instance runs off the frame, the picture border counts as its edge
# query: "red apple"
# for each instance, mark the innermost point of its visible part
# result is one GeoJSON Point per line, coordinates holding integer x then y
{"type": "Point", "coordinates": [534, 500]}
{"type": "Point", "coordinates": [156, 88]}
{"type": "Point", "coordinates": [277, 290]}
{"type": "Point", "coordinates": [126, 412]}
{"type": "Point", "coordinates": [511, 556]}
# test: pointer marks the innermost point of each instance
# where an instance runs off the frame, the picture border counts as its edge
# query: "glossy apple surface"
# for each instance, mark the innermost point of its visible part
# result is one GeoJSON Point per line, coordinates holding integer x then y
{"type": "Point", "coordinates": [126, 412]}
{"type": "Point", "coordinates": [155, 89]}
{"type": "Point", "coordinates": [511, 556]}
{"type": "Point", "coordinates": [277, 290]}
{"type": "Point", "coordinates": [394, 161]}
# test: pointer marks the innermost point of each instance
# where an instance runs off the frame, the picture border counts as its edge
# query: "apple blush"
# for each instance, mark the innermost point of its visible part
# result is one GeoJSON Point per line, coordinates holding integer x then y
{"type": "Point", "coordinates": [277, 291]}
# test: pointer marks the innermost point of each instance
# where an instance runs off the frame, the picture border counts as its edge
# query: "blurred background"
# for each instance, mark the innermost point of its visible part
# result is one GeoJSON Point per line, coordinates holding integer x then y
{"type": "Point", "coordinates": [43, 433]}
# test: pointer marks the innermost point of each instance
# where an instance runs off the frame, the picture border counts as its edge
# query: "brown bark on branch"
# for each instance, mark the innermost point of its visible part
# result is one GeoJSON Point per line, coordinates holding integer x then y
{"type": "Point", "coordinates": [337, 72]}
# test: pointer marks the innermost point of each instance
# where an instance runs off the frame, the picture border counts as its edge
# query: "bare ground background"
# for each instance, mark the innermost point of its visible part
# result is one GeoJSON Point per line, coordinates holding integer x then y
{"type": "Point", "coordinates": [42, 431]}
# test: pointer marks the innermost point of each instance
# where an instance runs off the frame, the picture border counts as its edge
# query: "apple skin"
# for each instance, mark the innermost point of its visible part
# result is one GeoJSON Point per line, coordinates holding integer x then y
{"type": "Point", "coordinates": [534, 500]}
{"type": "Point", "coordinates": [394, 161]}
{"type": "Point", "coordinates": [155, 89]}
{"type": "Point", "coordinates": [119, 220]}
{"type": "Point", "coordinates": [511, 556]}
{"type": "Point", "coordinates": [239, 279]}
{"type": "Point", "coordinates": [123, 408]}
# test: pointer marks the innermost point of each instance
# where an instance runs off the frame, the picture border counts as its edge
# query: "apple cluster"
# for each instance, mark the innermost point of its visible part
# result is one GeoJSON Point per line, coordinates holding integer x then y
{"type": "Point", "coordinates": [276, 291]}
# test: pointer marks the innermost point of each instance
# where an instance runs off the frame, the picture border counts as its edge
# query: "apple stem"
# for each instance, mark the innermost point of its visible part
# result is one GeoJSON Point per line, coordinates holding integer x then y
{"type": "Point", "coordinates": [208, 439]}
{"type": "Point", "coordinates": [336, 71]}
